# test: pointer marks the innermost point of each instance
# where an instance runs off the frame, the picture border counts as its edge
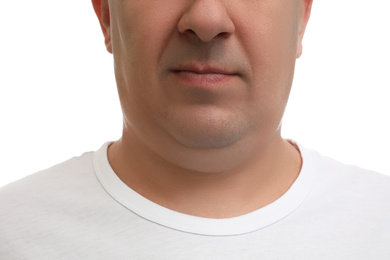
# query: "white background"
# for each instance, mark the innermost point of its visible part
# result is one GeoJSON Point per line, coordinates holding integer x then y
{"type": "Point", "coordinates": [58, 96]}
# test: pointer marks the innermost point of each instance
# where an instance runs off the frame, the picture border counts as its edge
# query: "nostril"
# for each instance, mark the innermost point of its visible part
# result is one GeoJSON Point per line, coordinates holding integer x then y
{"type": "Point", "coordinates": [206, 23]}
{"type": "Point", "coordinates": [189, 32]}
{"type": "Point", "coordinates": [223, 35]}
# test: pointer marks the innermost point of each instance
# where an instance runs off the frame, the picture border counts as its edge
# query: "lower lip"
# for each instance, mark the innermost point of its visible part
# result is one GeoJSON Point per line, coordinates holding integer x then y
{"type": "Point", "coordinates": [203, 79]}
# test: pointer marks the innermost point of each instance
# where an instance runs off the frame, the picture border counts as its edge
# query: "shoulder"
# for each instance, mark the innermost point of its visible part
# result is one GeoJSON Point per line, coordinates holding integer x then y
{"type": "Point", "coordinates": [50, 206]}
{"type": "Point", "coordinates": [330, 171]}
{"type": "Point", "coordinates": [49, 189]}
{"type": "Point", "coordinates": [58, 187]}
{"type": "Point", "coordinates": [347, 188]}
{"type": "Point", "coordinates": [52, 179]}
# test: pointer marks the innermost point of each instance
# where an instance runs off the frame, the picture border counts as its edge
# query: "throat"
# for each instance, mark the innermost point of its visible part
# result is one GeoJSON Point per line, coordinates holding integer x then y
{"type": "Point", "coordinates": [210, 195]}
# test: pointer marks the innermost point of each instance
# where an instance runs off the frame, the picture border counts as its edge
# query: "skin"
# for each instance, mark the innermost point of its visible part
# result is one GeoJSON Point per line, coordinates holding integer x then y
{"type": "Point", "coordinates": [203, 86]}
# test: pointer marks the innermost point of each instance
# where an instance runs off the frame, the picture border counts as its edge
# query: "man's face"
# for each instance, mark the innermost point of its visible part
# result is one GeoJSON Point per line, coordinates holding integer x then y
{"type": "Point", "coordinates": [205, 73]}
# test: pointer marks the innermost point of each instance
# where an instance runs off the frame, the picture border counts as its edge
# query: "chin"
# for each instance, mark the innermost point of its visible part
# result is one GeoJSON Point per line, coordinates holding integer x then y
{"type": "Point", "coordinates": [207, 141]}
{"type": "Point", "coordinates": [210, 135]}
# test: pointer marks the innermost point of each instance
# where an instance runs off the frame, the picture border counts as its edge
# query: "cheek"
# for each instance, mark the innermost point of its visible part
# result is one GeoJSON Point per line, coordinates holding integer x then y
{"type": "Point", "coordinates": [270, 44]}
{"type": "Point", "coordinates": [141, 33]}
{"type": "Point", "coordinates": [144, 30]}
{"type": "Point", "coordinates": [269, 33]}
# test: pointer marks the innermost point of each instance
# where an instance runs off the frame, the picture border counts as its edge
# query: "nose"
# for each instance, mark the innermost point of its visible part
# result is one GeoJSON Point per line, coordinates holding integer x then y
{"type": "Point", "coordinates": [206, 19]}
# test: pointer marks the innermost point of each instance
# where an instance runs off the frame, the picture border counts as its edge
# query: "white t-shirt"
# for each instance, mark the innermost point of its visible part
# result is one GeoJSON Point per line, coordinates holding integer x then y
{"type": "Point", "coordinates": [80, 209]}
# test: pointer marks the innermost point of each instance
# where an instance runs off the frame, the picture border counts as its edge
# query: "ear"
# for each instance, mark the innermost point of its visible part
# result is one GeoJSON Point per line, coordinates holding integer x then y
{"type": "Point", "coordinates": [303, 19]}
{"type": "Point", "coordinates": [103, 14]}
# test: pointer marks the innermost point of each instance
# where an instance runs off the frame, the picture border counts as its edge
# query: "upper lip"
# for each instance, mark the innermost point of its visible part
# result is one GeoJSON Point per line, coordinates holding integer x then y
{"type": "Point", "coordinates": [203, 69]}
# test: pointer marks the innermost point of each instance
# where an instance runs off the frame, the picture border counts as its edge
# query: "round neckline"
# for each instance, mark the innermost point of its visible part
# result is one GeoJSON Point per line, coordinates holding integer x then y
{"type": "Point", "coordinates": [243, 224]}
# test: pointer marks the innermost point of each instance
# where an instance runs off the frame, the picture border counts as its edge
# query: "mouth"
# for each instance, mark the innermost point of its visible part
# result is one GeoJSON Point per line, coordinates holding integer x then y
{"type": "Point", "coordinates": [203, 76]}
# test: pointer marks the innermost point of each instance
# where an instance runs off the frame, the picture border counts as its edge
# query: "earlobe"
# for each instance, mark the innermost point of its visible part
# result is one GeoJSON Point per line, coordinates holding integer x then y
{"type": "Point", "coordinates": [303, 20]}
{"type": "Point", "coordinates": [103, 14]}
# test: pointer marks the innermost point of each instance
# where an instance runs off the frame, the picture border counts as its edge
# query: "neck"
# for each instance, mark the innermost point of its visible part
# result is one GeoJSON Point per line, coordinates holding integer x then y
{"type": "Point", "coordinates": [253, 184]}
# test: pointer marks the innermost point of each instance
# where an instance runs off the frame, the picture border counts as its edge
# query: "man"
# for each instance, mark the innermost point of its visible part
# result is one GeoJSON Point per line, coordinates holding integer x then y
{"type": "Point", "coordinates": [201, 170]}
